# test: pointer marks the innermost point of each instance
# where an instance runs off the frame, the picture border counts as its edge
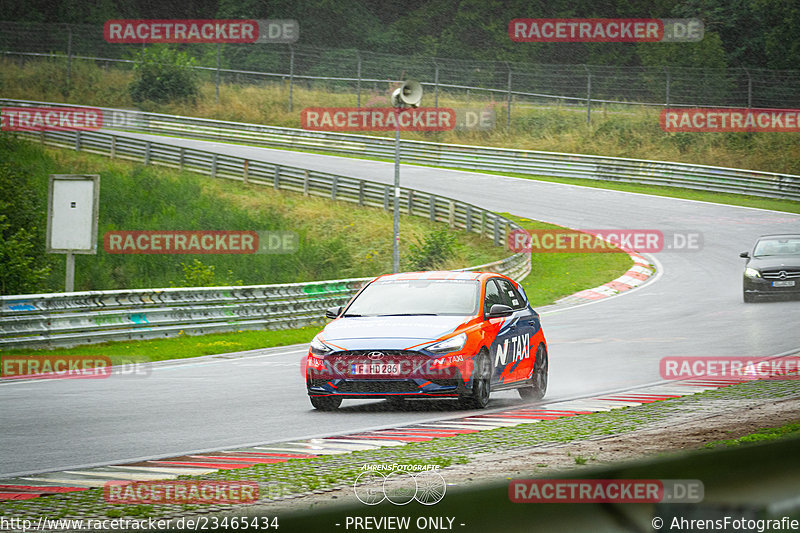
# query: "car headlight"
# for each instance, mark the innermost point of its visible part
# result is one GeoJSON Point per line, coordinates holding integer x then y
{"type": "Point", "coordinates": [449, 345]}
{"type": "Point", "coordinates": [319, 348]}
{"type": "Point", "coordinates": [752, 273]}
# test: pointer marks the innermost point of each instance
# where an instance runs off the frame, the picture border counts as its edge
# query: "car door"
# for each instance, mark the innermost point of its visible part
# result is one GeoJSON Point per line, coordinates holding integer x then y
{"type": "Point", "coordinates": [511, 350]}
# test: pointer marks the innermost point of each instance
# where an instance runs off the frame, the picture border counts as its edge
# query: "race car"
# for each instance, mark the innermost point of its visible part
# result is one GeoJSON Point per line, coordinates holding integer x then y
{"type": "Point", "coordinates": [438, 334]}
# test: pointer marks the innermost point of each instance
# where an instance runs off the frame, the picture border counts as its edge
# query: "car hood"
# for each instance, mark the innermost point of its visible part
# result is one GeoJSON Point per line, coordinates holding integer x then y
{"type": "Point", "coordinates": [388, 332]}
{"type": "Point", "coordinates": [774, 261]}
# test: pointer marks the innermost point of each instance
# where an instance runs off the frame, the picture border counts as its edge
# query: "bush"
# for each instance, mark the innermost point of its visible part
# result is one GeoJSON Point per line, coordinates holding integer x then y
{"type": "Point", "coordinates": [163, 75]}
{"type": "Point", "coordinates": [198, 274]}
{"type": "Point", "coordinates": [437, 247]}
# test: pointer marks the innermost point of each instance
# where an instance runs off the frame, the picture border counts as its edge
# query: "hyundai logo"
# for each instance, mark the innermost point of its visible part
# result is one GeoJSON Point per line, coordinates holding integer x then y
{"type": "Point", "coordinates": [375, 355]}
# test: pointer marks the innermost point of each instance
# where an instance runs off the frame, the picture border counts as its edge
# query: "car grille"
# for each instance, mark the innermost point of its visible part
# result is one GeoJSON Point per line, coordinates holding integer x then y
{"type": "Point", "coordinates": [775, 273]}
{"type": "Point", "coordinates": [377, 386]}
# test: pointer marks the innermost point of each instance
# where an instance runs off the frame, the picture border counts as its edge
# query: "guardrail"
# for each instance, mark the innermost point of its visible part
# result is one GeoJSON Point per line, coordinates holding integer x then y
{"type": "Point", "coordinates": [529, 162]}
{"type": "Point", "coordinates": [63, 319]}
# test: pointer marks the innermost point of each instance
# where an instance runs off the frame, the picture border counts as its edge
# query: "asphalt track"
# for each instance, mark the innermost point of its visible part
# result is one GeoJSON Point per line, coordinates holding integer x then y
{"type": "Point", "coordinates": [693, 307]}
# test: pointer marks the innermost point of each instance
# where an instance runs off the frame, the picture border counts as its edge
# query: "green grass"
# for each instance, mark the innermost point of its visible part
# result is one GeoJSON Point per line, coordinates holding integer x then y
{"type": "Point", "coordinates": [297, 476]}
{"type": "Point", "coordinates": [336, 240]}
{"type": "Point", "coordinates": [762, 435]}
{"type": "Point", "coordinates": [182, 346]}
{"type": "Point", "coordinates": [617, 131]}
{"type": "Point", "coordinates": [555, 275]}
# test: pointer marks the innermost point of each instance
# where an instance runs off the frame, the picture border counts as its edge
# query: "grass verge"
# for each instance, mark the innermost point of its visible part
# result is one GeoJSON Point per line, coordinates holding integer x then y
{"type": "Point", "coordinates": [303, 476]}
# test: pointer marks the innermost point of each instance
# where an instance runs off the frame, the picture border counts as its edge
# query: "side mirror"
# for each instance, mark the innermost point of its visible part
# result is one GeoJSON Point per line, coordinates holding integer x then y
{"type": "Point", "coordinates": [499, 310]}
{"type": "Point", "coordinates": [746, 255]}
{"type": "Point", "coordinates": [333, 312]}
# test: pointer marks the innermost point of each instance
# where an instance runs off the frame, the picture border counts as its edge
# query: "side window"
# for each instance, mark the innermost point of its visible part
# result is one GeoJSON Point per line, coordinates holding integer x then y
{"type": "Point", "coordinates": [509, 295]}
{"type": "Point", "coordinates": [493, 296]}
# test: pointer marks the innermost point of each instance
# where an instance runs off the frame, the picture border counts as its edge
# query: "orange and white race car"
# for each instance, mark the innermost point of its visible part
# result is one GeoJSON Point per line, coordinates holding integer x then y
{"type": "Point", "coordinates": [436, 334]}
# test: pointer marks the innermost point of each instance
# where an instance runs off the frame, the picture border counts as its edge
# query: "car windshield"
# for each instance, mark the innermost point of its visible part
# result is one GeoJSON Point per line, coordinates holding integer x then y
{"type": "Point", "coordinates": [778, 246]}
{"type": "Point", "coordinates": [417, 297]}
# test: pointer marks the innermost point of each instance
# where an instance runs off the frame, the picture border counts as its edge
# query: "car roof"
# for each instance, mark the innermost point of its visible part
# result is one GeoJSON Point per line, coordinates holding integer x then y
{"type": "Point", "coordinates": [438, 275]}
{"type": "Point", "coordinates": [780, 235]}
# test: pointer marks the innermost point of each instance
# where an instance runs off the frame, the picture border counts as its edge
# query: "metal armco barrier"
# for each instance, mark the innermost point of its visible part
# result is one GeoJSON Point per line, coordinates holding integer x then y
{"type": "Point", "coordinates": [534, 163]}
{"type": "Point", "coordinates": [63, 319]}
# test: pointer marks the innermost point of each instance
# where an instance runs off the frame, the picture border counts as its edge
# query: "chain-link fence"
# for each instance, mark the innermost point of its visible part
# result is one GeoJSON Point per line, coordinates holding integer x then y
{"type": "Point", "coordinates": [365, 73]}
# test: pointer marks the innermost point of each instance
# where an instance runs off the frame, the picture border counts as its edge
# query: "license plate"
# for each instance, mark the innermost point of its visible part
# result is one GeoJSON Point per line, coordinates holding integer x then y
{"type": "Point", "coordinates": [374, 368]}
{"type": "Point", "coordinates": [783, 283]}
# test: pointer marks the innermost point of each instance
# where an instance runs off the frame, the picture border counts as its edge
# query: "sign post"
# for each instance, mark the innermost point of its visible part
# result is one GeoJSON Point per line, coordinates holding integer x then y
{"type": "Point", "coordinates": [72, 212]}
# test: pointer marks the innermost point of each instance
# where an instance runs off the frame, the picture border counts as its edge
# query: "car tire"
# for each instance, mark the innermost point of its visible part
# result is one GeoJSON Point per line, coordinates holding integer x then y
{"type": "Point", "coordinates": [538, 387]}
{"type": "Point", "coordinates": [325, 403]}
{"type": "Point", "coordinates": [481, 383]}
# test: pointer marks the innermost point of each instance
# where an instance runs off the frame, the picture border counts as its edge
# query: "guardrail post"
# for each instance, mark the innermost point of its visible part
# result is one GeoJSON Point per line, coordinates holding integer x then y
{"type": "Point", "coordinates": [147, 153]}
{"type": "Point", "coordinates": [245, 169]}
{"type": "Point", "coordinates": [483, 222]}
{"type": "Point", "coordinates": [451, 213]}
{"type": "Point", "coordinates": [305, 183]}
{"type": "Point", "coordinates": [113, 146]}
{"type": "Point", "coordinates": [78, 141]}
{"type": "Point", "coordinates": [334, 187]}
{"type": "Point", "coordinates": [432, 208]}
{"type": "Point", "coordinates": [181, 158]}
{"type": "Point", "coordinates": [410, 201]}
{"type": "Point", "coordinates": [214, 166]}
{"type": "Point", "coordinates": [386, 194]}
{"type": "Point", "coordinates": [496, 231]}
{"type": "Point", "coordinates": [41, 136]}
{"type": "Point", "coordinates": [276, 180]}
{"type": "Point", "coordinates": [468, 221]}
{"type": "Point", "coordinates": [361, 193]}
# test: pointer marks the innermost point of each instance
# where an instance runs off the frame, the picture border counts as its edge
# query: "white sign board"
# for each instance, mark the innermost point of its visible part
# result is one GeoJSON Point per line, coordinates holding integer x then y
{"type": "Point", "coordinates": [72, 213]}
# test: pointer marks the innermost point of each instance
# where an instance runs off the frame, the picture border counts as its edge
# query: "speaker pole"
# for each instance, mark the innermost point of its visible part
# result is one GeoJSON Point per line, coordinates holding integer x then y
{"type": "Point", "coordinates": [396, 219]}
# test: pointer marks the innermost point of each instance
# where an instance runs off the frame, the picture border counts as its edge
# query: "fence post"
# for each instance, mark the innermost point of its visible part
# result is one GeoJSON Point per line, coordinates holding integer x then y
{"type": "Point", "coordinates": [113, 146]}
{"type": "Point", "coordinates": [432, 208]}
{"type": "Point", "coordinates": [334, 187]}
{"type": "Point", "coordinates": [182, 158]}
{"type": "Point", "coordinates": [588, 94]}
{"type": "Point", "coordinates": [496, 231]}
{"type": "Point", "coordinates": [305, 183]}
{"type": "Point", "coordinates": [291, 75]}
{"type": "Point", "coordinates": [386, 194]}
{"type": "Point", "coordinates": [245, 169]}
{"type": "Point", "coordinates": [147, 153]}
{"type": "Point", "coordinates": [435, 84]}
{"type": "Point", "coordinates": [361, 193]}
{"type": "Point", "coordinates": [214, 166]}
{"type": "Point", "coordinates": [410, 201]}
{"type": "Point", "coordinates": [358, 69]}
{"type": "Point", "coordinates": [69, 56]}
{"type": "Point", "coordinates": [276, 181]}
{"type": "Point", "coordinates": [508, 98]}
{"type": "Point", "coordinates": [468, 221]}
{"type": "Point", "coordinates": [749, 89]}
{"type": "Point", "coordinates": [217, 79]}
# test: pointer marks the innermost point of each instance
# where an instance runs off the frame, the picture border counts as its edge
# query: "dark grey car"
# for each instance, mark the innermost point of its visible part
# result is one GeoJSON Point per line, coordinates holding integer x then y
{"type": "Point", "coordinates": [773, 267]}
